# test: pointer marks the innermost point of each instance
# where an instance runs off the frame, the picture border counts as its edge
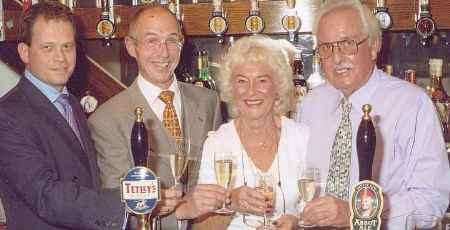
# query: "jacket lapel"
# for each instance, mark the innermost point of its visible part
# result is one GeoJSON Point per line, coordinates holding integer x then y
{"type": "Point", "coordinates": [157, 133]}
{"type": "Point", "coordinates": [49, 111]}
{"type": "Point", "coordinates": [193, 118]}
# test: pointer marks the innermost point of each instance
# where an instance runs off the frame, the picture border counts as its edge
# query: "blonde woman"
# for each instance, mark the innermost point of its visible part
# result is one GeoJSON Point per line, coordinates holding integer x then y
{"type": "Point", "coordinates": [256, 83]}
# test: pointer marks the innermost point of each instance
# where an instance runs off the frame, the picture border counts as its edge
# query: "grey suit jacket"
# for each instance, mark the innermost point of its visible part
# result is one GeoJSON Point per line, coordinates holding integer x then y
{"type": "Point", "coordinates": [48, 180]}
{"type": "Point", "coordinates": [111, 128]}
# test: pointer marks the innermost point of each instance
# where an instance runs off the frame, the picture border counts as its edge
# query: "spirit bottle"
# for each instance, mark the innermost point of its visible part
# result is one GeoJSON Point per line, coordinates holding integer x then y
{"type": "Point", "coordinates": [389, 70]}
{"type": "Point", "coordinates": [410, 75]}
{"type": "Point", "coordinates": [316, 78]}
{"type": "Point", "coordinates": [300, 84]}
{"type": "Point", "coordinates": [438, 93]}
{"type": "Point", "coordinates": [204, 77]}
{"type": "Point", "coordinates": [439, 96]}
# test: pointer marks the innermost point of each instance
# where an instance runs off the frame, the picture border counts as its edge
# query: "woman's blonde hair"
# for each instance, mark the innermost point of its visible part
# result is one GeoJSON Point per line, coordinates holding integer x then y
{"type": "Point", "coordinates": [262, 50]}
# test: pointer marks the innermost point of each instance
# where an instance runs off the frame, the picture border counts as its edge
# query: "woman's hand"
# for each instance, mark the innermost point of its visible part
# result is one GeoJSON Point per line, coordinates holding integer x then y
{"type": "Point", "coordinates": [247, 200]}
{"type": "Point", "coordinates": [286, 222]}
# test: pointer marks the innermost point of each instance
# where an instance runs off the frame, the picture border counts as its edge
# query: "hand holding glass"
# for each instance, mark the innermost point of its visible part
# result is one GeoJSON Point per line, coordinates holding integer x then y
{"type": "Point", "coordinates": [308, 182]}
{"type": "Point", "coordinates": [266, 185]}
{"type": "Point", "coordinates": [223, 166]}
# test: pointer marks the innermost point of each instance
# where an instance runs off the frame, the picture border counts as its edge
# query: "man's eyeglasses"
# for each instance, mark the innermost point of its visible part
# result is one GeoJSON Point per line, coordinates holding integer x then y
{"type": "Point", "coordinates": [346, 47]}
{"type": "Point", "coordinates": [171, 42]}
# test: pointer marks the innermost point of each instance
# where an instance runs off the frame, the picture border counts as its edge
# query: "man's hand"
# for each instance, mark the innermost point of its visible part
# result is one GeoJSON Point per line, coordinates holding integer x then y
{"type": "Point", "coordinates": [247, 200]}
{"type": "Point", "coordinates": [170, 198]}
{"type": "Point", "coordinates": [286, 222]}
{"type": "Point", "coordinates": [327, 211]}
{"type": "Point", "coordinates": [204, 198]}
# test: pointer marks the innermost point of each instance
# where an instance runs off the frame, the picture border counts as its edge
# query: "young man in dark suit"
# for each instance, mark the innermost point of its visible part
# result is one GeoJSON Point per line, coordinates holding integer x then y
{"type": "Point", "coordinates": [49, 175]}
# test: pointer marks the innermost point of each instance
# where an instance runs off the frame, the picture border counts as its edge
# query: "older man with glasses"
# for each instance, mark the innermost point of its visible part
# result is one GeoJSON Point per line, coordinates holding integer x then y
{"type": "Point", "coordinates": [410, 163]}
{"type": "Point", "coordinates": [173, 111]}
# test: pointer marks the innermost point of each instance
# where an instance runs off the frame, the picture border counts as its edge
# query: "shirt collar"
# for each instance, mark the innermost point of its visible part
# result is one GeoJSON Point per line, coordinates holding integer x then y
{"type": "Point", "coordinates": [360, 96]}
{"type": "Point", "coordinates": [49, 91]}
{"type": "Point", "coordinates": [151, 91]}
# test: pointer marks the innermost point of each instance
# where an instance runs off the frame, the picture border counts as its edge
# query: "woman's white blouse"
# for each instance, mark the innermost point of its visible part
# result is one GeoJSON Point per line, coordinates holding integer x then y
{"type": "Point", "coordinates": [291, 154]}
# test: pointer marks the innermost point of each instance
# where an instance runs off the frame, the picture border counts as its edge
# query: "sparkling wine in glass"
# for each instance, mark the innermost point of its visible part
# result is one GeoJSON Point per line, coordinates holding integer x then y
{"type": "Point", "coordinates": [223, 166]}
{"type": "Point", "coordinates": [308, 182]}
{"type": "Point", "coordinates": [179, 159]}
{"type": "Point", "coordinates": [266, 185]}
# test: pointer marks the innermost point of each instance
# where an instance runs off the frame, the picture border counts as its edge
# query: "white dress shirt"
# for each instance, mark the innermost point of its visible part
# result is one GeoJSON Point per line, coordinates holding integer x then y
{"type": "Point", "coordinates": [151, 94]}
{"type": "Point", "coordinates": [410, 163]}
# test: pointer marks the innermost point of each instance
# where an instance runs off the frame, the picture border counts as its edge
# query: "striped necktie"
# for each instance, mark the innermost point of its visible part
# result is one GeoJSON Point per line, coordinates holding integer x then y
{"type": "Point", "coordinates": [340, 159]}
{"type": "Point", "coordinates": [170, 119]}
{"type": "Point", "coordinates": [67, 112]}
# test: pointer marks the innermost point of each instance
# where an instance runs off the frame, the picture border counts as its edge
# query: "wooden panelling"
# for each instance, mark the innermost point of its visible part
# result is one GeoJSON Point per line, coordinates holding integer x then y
{"type": "Point", "coordinates": [89, 76]}
{"type": "Point", "coordinates": [196, 16]}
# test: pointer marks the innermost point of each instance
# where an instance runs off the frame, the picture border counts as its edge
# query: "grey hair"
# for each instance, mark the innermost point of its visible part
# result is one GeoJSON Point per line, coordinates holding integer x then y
{"type": "Point", "coordinates": [371, 26]}
{"type": "Point", "coordinates": [262, 50]}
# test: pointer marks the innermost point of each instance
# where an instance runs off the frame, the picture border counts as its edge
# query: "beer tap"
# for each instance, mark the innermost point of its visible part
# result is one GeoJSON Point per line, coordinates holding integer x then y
{"type": "Point", "coordinates": [291, 21]}
{"type": "Point", "coordinates": [105, 26]}
{"type": "Point", "coordinates": [366, 203]}
{"type": "Point", "coordinates": [142, 203]}
{"type": "Point", "coordinates": [425, 25]}
{"type": "Point", "coordinates": [254, 23]}
{"type": "Point", "coordinates": [382, 15]}
{"type": "Point", "coordinates": [217, 23]}
{"type": "Point", "coordinates": [365, 144]}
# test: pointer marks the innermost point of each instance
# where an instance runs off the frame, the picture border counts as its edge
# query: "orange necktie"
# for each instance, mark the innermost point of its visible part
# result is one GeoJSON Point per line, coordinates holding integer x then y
{"type": "Point", "coordinates": [170, 119]}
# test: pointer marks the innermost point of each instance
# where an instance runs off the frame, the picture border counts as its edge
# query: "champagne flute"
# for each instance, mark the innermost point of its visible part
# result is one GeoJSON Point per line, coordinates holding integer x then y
{"type": "Point", "coordinates": [266, 185]}
{"type": "Point", "coordinates": [223, 166]}
{"type": "Point", "coordinates": [308, 181]}
{"type": "Point", "coordinates": [179, 160]}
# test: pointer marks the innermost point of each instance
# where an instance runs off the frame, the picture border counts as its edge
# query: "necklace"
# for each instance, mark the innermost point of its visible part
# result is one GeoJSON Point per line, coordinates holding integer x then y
{"type": "Point", "coordinates": [267, 140]}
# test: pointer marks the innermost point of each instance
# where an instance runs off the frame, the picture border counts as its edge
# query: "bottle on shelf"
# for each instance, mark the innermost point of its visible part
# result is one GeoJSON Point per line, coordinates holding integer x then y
{"type": "Point", "coordinates": [204, 77]}
{"type": "Point", "coordinates": [438, 95]}
{"type": "Point", "coordinates": [316, 78]}
{"type": "Point", "coordinates": [389, 70]}
{"type": "Point", "coordinates": [410, 75]}
{"type": "Point", "coordinates": [300, 84]}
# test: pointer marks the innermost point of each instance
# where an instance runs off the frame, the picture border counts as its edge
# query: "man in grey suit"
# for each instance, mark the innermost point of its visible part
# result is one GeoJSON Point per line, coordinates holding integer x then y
{"type": "Point", "coordinates": [155, 41]}
{"type": "Point", "coordinates": [49, 175]}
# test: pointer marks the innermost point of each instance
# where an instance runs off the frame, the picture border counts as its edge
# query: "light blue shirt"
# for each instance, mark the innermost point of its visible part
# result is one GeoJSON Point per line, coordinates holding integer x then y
{"type": "Point", "coordinates": [49, 91]}
{"type": "Point", "coordinates": [410, 164]}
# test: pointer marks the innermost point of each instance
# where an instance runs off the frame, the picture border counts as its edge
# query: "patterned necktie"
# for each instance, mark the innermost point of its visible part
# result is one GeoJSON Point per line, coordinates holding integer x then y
{"type": "Point", "coordinates": [67, 112]}
{"type": "Point", "coordinates": [170, 119]}
{"type": "Point", "coordinates": [340, 159]}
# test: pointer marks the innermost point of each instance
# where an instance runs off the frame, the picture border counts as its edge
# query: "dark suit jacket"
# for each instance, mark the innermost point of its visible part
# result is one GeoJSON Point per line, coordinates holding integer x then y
{"type": "Point", "coordinates": [111, 126]}
{"type": "Point", "coordinates": [47, 179]}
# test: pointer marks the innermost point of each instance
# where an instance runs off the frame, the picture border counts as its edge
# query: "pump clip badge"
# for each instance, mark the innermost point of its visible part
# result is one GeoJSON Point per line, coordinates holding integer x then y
{"type": "Point", "coordinates": [366, 206]}
{"type": "Point", "coordinates": [140, 190]}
